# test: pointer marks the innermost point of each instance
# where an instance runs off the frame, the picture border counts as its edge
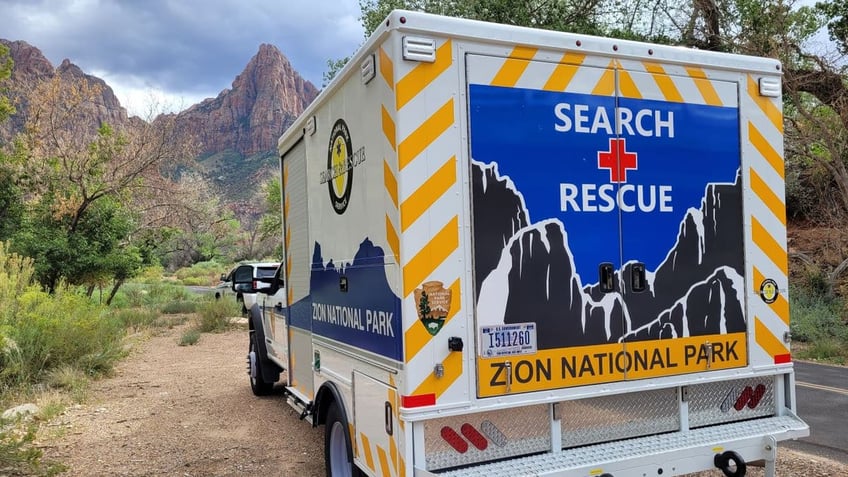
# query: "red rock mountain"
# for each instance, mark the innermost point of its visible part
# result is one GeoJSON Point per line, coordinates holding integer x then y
{"type": "Point", "coordinates": [31, 67]}
{"type": "Point", "coordinates": [249, 117]}
{"type": "Point", "coordinates": [246, 119]}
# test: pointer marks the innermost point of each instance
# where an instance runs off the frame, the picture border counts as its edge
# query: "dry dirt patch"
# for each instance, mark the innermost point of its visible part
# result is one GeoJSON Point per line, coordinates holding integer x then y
{"type": "Point", "coordinates": [187, 411]}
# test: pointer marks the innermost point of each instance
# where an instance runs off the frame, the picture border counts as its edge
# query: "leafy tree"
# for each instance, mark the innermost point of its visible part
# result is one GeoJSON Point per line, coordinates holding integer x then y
{"type": "Point", "coordinates": [79, 171]}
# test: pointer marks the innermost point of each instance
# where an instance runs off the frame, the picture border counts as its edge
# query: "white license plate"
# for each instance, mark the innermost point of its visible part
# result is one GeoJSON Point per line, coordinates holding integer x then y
{"type": "Point", "coordinates": [507, 340]}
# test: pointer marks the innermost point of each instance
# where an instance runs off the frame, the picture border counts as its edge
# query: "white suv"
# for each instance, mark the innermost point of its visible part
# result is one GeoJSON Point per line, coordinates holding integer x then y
{"type": "Point", "coordinates": [241, 282]}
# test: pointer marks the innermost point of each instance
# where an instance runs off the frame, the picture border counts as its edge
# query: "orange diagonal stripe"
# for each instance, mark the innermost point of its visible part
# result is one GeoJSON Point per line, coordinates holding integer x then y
{"type": "Point", "coordinates": [664, 82]}
{"type": "Point", "coordinates": [767, 341]}
{"type": "Point", "coordinates": [392, 238]}
{"type": "Point", "coordinates": [386, 69]}
{"type": "Point", "coordinates": [390, 182]}
{"type": "Point", "coordinates": [428, 132]}
{"type": "Point", "coordinates": [769, 246]}
{"type": "Point", "coordinates": [389, 127]}
{"type": "Point", "coordinates": [514, 66]}
{"type": "Point", "coordinates": [769, 106]}
{"type": "Point", "coordinates": [431, 256]}
{"type": "Point", "coordinates": [606, 85]}
{"type": "Point", "coordinates": [564, 72]}
{"type": "Point", "coordinates": [430, 191]}
{"type": "Point", "coordinates": [705, 86]}
{"type": "Point", "coordinates": [422, 75]}
{"type": "Point", "coordinates": [767, 195]}
{"type": "Point", "coordinates": [765, 149]}
{"type": "Point", "coordinates": [438, 386]}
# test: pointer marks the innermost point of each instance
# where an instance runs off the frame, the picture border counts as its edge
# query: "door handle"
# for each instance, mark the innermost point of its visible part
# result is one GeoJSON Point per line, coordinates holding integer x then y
{"type": "Point", "coordinates": [606, 277]}
{"type": "Point", "coordinates": [637, 277]}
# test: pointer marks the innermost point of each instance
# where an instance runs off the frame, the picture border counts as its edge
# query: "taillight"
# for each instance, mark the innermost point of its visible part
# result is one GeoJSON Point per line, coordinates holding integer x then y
{"type": "Point", "coordinates": [454, 439]}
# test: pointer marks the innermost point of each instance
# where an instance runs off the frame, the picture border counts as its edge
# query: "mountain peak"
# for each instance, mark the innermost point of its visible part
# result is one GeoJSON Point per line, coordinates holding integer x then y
{"type": "Point", "coordinates": [263, 101]}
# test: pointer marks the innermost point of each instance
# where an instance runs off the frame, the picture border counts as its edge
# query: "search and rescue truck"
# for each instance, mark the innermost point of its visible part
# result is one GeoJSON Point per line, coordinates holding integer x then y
{"type": "Point", "coordinates": [519, 252]}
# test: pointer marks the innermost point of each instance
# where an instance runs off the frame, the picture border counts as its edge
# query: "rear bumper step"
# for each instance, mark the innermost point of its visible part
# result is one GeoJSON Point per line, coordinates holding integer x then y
{"type": "Point", "coordinates": [665, 454]}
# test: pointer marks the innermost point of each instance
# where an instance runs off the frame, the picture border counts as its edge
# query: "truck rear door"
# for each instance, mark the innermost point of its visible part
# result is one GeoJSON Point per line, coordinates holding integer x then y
{"type": "Point", "coordinates": [607, 221]}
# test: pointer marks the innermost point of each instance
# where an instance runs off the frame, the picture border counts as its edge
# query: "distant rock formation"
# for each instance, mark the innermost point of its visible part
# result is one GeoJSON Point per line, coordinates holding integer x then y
{"type": "Point", "coordinates": [32, 68]}
{"type": "Point", "coordinates": [249, 117]}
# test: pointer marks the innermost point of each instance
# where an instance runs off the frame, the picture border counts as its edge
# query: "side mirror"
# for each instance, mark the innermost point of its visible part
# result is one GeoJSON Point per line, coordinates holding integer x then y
{"type": "Point", "coordinates": [223, 277]}
{"type": "Point", "coordinates": [266, 285]}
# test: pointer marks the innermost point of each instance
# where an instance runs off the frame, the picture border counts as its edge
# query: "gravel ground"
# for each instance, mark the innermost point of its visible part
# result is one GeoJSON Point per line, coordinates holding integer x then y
{"type": "Point", "coordinates": [188, 411]}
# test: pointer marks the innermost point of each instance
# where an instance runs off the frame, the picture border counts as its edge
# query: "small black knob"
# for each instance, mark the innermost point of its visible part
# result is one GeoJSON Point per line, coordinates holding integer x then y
{"type": "Point", "coordinates": [455, 343]}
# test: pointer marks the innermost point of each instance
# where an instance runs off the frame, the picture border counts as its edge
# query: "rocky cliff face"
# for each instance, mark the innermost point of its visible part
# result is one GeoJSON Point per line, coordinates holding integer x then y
{"type": "Point", "coordinates": [249, 117]}
{"type": "Point", "coordinates": [32, 68]}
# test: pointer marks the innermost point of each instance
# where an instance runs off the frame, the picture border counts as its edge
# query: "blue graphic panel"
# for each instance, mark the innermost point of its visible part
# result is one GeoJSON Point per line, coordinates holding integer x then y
{"type": "Point", "coordinates": [367, 314]}
{"type": "Point", "coordinates": [560, 150]}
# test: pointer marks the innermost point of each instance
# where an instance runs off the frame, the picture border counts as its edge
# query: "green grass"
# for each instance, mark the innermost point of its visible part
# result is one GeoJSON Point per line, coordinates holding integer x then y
{"type": "Point", "coordinates": [818, 325]}
{"type": "Point", "coordinates": [179, 307]}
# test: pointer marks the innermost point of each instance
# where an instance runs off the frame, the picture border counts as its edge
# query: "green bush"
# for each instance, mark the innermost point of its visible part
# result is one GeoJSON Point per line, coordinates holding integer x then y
{"type": "Point", "coordinates": [202, 273]}
{"type": "Point", "coordinates": [135, 318]}
{"type": "Point", "coordinates": [177, 307]}
{"type": "Point", "coordinates": [816, 321]}
{"type": "Point", "coordinates": [61, 329]}
{"type": "Point", "coordinates": [190, 337]}
{"type": "Point", "coordinates": [216, 315]}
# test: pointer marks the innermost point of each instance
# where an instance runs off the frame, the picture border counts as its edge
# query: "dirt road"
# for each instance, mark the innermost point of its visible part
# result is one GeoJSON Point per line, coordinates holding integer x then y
{"type": "Point", "coordinates": [185, 411]}
{"type": "Point", "coordinates": [188, 411]}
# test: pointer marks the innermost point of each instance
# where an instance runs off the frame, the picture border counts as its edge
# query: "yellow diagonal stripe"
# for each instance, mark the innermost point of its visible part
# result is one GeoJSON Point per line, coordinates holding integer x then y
{"type": "Point", "coordinates": [514, 66]}
{"type": "Point", "coordinates": [765, 149]}
{"type": "Point", "coordinates": [430, 191]}
{"type": "Point", "coordinates": [387, 69]}
{"type": "Point", "coordinates": [453, 370]}
{"type": "Point", "coordinates": [431, 256]}
{"type": "Point", "coordinates": [393, 450]}
{"type": "Point", "coordinates": [767, 341]}
{"type": "Point", "coordinates": [384, 463]}
{"type": "Point", "coordinates": [704, 85]}
{"type": "Point", "coordinates": [422, 75]}
{"type": "Point", "coordinates": [390, 182]}
{"type": "Point", "coordinates": [428, 132]}
{"type": "Point", "coordinates": [351, 430]}
{"type": "Point", "coordinates": [767, 195]}
{"type": "Point", "coordinates": [780, 306]}
{"type": "Point", "coordinates": [664, 82]}
{"type": "Point", "coordinates": [767, 105]}
{"type": "Point", "coordinates": [606, 85]}
{"type": "Point", "coordinates": [628, 86]}
{"type": "Point", "coordinates": [769, 246]}
{"type": "Point", "coordinates": [366, 447]}
{"type": "Point", "coordinates": [389, 128]}
{"type": "Point", "coordinates": [564, 72]}
{"type": "Point", "coordinates": [392, 238]}
{"type": "Point", "coordinates": [417, 336]}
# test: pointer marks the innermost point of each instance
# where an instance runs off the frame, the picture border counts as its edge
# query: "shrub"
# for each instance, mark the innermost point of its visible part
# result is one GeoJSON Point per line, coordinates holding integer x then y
{"type": "Point", "coordinates": [216, 315]}
{"type": "Point", "coordinates": [178, 307]}
{"type": "Point", "coordinates": [202, 273]}
{"type": "Point", "coordinates": [61, 329]}
{"type": "Point", "coordinates": [135, 318]}
{"type": "Point", "coordinates": [190, 337]}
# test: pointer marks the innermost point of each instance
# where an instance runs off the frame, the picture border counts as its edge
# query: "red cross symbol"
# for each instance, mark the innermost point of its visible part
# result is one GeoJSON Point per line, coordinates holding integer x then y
{"type": "Point", "coordinates": [617, 160]}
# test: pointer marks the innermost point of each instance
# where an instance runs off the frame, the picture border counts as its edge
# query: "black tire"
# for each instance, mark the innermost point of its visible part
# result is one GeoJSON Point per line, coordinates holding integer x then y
{"type": "Point", "coordinates": [338, 458]}
{"type": "Point", "coordinates": [255, 359]}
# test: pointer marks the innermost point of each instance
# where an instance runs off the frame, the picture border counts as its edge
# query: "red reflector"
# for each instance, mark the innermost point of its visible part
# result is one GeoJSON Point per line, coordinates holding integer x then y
{"type": "Point", "coordinates": [455, 441]}
{"type": "Point", "coordinates": [744, 398]}
{"type": "Point", "coordinates": [759, 391]}
{"type": "Point", "coordinates": [474, 437]}
{"type": "Point", "coordinates": [782, 358]}
{"type": "Point", "coordinates": [418, 400]}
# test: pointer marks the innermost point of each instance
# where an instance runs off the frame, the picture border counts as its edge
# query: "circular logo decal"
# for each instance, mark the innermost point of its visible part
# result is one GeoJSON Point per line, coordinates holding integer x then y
{"type": "Point", "coordinates": [768, 290]}
{"type": "Point", "coordinates": [339, 166]}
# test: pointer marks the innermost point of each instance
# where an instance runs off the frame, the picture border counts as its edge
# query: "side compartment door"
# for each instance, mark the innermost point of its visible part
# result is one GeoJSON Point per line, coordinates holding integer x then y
{"type": "Point", "coordinates": [682, 221]}
{"type": "Point", "coordinates": [274, 316]}
{"type": "Point", "coordinates": [297, 261]}
{"type": "Point", "coordinates": [546, 227]}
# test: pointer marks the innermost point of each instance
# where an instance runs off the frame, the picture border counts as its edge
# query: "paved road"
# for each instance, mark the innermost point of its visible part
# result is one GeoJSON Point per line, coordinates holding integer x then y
{"type": "Point", "coordinates": [822, 393]}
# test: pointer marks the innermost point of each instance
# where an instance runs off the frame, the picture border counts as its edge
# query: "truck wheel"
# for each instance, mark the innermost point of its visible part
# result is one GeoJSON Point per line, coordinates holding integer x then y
{"type": "Point", "coordinates": [254, 369]}
{"type": "Point", "coordinates": [337, 457]}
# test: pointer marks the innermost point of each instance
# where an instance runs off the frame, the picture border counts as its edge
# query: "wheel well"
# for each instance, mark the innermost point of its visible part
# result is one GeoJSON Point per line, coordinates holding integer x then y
{"type": "Point", "coordinates": [327, 395]}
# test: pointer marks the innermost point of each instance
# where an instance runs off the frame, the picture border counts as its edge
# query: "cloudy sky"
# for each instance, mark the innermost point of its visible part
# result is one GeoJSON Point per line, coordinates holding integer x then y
{"type": "Point", "coordinates": [175, 53]}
